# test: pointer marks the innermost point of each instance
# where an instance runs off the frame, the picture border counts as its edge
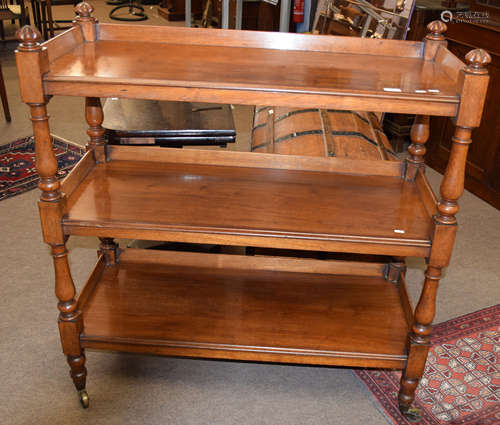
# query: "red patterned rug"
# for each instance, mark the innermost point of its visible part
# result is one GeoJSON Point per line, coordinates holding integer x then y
{"type": "Point", "coordinates": [461, 382]}
{"type": "Point", "coordinates": [17, 164]}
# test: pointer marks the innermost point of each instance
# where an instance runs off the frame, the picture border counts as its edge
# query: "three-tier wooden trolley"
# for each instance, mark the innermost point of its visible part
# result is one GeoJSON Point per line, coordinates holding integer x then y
{"type": "Point", "coordinates": [259, 308]}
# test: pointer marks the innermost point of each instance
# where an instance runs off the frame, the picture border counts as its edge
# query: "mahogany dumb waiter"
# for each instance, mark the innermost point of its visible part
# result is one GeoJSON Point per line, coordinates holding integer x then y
{"type": "Point", "coordinates": [259, 308]}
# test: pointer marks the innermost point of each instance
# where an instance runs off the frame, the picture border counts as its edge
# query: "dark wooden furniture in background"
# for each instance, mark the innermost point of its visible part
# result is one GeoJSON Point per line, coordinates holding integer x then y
{"type": "Point", "coordinates": [427, 11]}
{"type": "Point", "coordinates": [398, 126]}
{"type": "Point", "coordinates": [257, 15]}
{"type": "Point", "coordinates": [482, 173]}
{"type": "Point", "coordinates": [43, 16]}
{"type": "Point", "coordinates": [174, 10]}
{"type": "Point", "coordinates": [260, 16]}
{"type": "Point", "coordinates": [12, 12]}
{"type": "Point", "coordinates": [291, 311]}
{"type": "Point", "coordinates": [168, 124]}
{"type": "Point", "coordinates": [492, 9]}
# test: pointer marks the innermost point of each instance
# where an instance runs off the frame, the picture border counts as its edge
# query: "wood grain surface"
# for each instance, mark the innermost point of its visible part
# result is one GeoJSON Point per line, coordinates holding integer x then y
{"type": "Point", "coordinates": [244, 312]}
{"type": "Point", "coordinates": [207, 199]}
{"type": "Point", "coordinates": [241, 68]}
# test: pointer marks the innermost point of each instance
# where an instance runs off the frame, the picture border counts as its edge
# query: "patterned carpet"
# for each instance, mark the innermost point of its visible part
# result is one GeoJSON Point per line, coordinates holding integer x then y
{"type": "Point", "coordinates": [17, 164]}
{"type": "Point", "coordinates": [461, 383]}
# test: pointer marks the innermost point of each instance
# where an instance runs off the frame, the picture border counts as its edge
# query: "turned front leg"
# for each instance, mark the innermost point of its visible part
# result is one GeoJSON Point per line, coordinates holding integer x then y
{"type": "Point", "coordinates": [474, 81]}
{"type": "Point", "coordinates": [445, 226]}
{"type": "Point", "coordinates": [52, 210]}
{"type": "Point", "coordinates": [70, 320]}
{"type": "Point", "coordinates": [52, 206]}
{"type": "Point", "coordinates": [419, 343]}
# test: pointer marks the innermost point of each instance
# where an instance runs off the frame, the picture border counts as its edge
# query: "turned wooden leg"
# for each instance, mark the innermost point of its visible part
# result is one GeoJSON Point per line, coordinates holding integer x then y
{"type": "Point", "coordinates": [70, 320]}
{"type": "Point", "coordinates": [46, 161]}
{"type": "Point", "coordinates": [3, 95]}
{"type": "Point", "coordinates": [419, 135]}
{"type": "Point", "coordinates": [52, 208]}
{"type": "Point", "coordinates": [399, 265]}
{"type": "Point", "coordinates": [95, 116]}
{"type": "Point", "coordinates": [79, 375]}
{"type": "Point", "coordinates": [110, 249]}
{"type": "Point", "coordinates": [78, 371]}
{"type": "Point", "coordinates": [419, 343]}
{"type": "Point", "coordinates": [445, 225]}
{"type": "Point", "coordinates": [445, 222]}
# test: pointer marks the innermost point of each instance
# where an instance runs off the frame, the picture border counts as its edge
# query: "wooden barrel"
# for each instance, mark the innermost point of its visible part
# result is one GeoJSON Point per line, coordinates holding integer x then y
{"type": "Point", "coordinates": [319, 132]}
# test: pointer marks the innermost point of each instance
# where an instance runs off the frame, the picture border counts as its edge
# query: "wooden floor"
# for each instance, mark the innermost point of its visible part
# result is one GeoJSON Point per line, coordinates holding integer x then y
{"type": "Point", "coordinates": [244, 313]}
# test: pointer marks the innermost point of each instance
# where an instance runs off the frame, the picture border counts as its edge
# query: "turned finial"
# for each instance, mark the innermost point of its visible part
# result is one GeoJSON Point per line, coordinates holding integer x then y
{"type": "Point", "coordinates": [477, 60]}
{"type": "Point", "coordinates": [29, 38]}
{"type": "Point", "coordinates": [84, 10]}
{"type": "Point", "coordinates": [436, 30]}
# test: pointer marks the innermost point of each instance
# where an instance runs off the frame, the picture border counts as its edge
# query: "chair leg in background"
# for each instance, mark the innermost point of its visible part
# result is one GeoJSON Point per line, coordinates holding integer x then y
{"type": "Point", "coordinates": [3, 95]}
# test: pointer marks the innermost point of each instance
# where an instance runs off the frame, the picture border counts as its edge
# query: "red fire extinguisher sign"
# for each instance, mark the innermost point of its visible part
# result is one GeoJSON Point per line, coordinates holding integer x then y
{"type": "Point", "coordinates": [298, 11]}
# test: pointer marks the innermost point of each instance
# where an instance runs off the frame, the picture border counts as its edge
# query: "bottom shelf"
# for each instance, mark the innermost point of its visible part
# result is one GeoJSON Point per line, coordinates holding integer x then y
{"type": "Point", "coordinates": [246, 308]}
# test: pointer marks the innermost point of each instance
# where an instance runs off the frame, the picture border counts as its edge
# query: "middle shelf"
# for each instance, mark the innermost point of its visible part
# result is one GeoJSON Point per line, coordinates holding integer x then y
{"type": "Point", "coordinates": [240, 198]}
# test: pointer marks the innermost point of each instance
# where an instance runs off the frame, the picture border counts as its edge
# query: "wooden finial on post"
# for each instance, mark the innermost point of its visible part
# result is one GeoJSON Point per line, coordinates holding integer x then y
{"type": "Point", "coordinates": [436, 31]}
{"type": "Point", "coordinates": [434, 38]}
{"type": "Point", "coordinates": [84, 11]}
{"type": "Point", "coordinates": [29, 38]}
{"type": "Point", "coordinates": [477, 60]}
{"type": "Point", "coordinates": [30, 78]}
{"type": "Point", "coordinates": [32, 93]}
{"type": "Point", "coordinates": [85, 20]}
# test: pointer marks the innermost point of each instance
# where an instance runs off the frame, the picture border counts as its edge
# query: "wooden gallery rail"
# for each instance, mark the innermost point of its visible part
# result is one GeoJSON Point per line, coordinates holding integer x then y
{"type": "Point", "coordinates": [241, 307]}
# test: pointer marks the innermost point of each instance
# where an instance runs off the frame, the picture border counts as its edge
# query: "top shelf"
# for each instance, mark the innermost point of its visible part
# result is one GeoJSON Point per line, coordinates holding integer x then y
{"type": "Point", "coordinates": [245, 67]}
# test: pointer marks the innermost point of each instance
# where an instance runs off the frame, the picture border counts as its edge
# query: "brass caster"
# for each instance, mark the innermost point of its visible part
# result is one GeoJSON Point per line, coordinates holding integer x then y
{"type": "Point", "coordinates": [84, 398]}
{"type": "Point", "coordinates": [412, 414]}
